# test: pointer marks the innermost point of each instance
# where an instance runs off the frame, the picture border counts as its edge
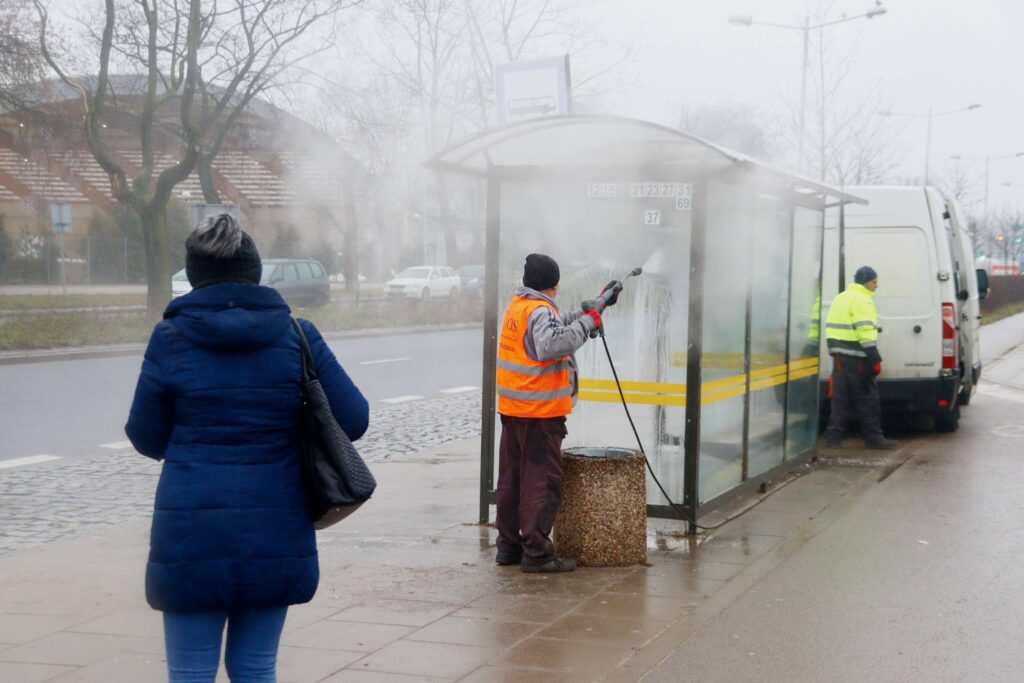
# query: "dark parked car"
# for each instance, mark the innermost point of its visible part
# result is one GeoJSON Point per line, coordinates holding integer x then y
{"type": "Point", "coordinates": [472, 281]}
{"type": "Point", "coordinates": [302, 282]}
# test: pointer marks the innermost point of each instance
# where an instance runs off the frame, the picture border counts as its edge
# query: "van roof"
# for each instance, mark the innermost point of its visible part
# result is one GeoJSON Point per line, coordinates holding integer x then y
{"type": "Point", "coordinates": [893, 206]}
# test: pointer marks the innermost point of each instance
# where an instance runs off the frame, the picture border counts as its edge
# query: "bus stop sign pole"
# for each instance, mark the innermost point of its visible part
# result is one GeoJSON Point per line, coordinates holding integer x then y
{"type": "Point", "coordinates": [60, 213]}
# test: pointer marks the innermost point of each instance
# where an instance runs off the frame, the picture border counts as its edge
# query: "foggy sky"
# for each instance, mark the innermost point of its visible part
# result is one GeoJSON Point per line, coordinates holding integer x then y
{"type": "Point", "coordinates": [941, 53]}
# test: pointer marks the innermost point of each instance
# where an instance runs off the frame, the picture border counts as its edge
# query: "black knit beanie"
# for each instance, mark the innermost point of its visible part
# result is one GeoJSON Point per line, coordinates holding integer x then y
{"type": "Point", "coordinates": [540, 272]}
{"type": "Point", "coordinates": [219, 251]}
{"type": "Point", "coordinates": [864, 275]}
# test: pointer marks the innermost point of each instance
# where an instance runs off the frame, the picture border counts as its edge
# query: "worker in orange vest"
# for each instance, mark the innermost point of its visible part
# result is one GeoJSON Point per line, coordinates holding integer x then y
{"type": "Point", "coordinates": [537, 387]}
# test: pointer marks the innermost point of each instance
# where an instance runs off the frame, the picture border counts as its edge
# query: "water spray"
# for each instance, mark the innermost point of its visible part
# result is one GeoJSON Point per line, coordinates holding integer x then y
{"type": "Point", "coordinates": [600, 304]}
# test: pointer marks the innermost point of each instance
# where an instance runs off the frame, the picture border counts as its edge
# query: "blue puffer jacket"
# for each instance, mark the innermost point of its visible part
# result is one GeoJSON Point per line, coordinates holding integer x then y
{"type": "Point", "coordinates": [218, 402]}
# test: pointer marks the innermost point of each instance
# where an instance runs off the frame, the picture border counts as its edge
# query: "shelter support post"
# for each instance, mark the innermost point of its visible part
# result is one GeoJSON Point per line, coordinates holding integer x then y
{"type": "Point", "coordinates": [490, 346]}
{"type": "Point", "coordinates": [789, 333]}
{"type": "Point", "coordinates": [694, 356]}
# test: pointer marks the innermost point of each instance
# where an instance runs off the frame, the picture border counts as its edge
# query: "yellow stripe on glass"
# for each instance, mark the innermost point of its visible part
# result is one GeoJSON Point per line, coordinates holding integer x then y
{"type": "Point", "coordinates": [713, 391]}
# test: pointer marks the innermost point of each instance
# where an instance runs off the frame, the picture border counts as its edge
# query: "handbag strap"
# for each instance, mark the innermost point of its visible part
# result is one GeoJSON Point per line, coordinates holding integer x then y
{"type": "Point", "coordinates": [308, 365]}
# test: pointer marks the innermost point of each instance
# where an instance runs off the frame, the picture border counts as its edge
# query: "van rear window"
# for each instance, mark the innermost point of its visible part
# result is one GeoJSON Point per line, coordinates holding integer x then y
{"type": "Point", "coordinates": [903, 259]}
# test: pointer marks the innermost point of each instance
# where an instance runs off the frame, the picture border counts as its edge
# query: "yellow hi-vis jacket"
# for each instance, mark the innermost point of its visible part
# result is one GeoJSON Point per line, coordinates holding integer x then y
{"type": "Point", "coordinates": [528, 387]}
{"type": "Point", "coordinates": [852, 325]}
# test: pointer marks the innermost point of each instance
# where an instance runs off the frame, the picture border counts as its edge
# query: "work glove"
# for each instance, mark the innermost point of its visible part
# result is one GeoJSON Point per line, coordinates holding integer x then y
{"type": "Point", "coordinates": [616, 290]}
{"type": "Point", "coordinates": [876, 369]}
{"type": "Point", "coordinates": [594, 315]}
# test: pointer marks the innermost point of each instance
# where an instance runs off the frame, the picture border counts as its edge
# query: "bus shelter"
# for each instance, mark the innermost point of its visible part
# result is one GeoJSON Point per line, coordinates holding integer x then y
{"type": "Point", "coordinates": [716, 343]}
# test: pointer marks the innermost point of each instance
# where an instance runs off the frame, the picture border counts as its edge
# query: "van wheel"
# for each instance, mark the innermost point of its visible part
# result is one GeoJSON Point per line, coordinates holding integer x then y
{"type": "Point", "coordinates": [965, 396]}
{"type": "Point", "coordinates": [321, 300]}
{"type": "Point", "coordinates": [948, 422]}
{"type": "Point", "coordinates": [454, 293]}
{"type": "Point", "coordinates": [425, 294]}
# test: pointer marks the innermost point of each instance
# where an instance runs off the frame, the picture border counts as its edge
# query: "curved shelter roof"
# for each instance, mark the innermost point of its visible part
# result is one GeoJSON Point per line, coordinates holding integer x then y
{"type": "Point", "coordinates": [572, 144]}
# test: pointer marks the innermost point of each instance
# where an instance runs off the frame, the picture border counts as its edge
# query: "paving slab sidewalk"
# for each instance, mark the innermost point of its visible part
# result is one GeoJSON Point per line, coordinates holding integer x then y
{"type": "Point", "coordinates": [410, 591]}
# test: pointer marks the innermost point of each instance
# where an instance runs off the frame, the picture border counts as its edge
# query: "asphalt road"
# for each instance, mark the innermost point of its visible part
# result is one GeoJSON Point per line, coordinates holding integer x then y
{"type": "Point", "coordinates": [77, 407]}
{"type": "Point", "coordinates": [72, 408]}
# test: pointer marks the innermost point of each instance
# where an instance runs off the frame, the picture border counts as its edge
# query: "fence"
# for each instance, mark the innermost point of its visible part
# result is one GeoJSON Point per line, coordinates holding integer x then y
{"type": "Point", "coordinates": [1004, 290]}
{"type": "Point", "coordinates": [36, 259]}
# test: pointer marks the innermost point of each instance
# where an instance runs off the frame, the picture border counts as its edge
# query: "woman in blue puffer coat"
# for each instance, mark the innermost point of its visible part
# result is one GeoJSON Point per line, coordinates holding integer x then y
{"type": "Point", "coordinates": [232, 542]}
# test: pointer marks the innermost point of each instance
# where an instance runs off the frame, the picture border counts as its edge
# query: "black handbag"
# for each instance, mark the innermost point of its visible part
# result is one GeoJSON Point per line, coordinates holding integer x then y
{"type": "Point", "coordinates": [336, 479]}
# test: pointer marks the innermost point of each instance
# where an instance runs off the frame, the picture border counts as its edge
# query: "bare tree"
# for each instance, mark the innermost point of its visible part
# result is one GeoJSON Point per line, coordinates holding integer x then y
{"type": "Point", "coordinates": [441, 55]}
{"type": "Point", "coordinates": [1005, 238]}
{"type": "Point", "coordinates": [20, 60]}
{"type": "Point", "coordinates": [168, 75]}
{"type": "Point", "coordinates": [424, 55]}
{"type": "Point", "coordinates": [734, 126]}
{"type": "Point", "coordinates": [249, 49]}
{"type": "Point", "coordinates": [515, 30]}
{"type": "Point", "coordinates": [850, 143]}
{"type": "Point", "coordinates": [374, 121]}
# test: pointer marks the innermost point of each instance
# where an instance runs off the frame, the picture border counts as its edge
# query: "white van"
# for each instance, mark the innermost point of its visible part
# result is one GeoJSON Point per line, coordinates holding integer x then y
{"type": "Point", "coordinates": [927, 296]}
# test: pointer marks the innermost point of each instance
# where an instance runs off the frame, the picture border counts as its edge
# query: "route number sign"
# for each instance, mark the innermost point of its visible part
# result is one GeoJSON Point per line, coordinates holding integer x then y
{"type": "Point", "coordinates": [652, 217]}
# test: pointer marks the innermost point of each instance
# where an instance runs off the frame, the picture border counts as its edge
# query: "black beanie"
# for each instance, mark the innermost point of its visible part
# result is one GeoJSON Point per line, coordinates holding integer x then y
{"type": "Point", "coordinates": [864, 275]}
{"type": "Point", "coordinates": [540, 272]}
{"type": "Point", "coordinates": [220, 251]}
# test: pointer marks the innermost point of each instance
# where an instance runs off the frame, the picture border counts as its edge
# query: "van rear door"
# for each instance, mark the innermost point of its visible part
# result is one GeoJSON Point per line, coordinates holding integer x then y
{"type": "Point", "coordinates": [911, 320]}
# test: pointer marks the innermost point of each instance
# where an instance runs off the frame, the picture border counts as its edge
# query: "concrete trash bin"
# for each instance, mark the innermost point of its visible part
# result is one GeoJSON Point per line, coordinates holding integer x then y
{"type": "Point", "coordinates": [602, 521]}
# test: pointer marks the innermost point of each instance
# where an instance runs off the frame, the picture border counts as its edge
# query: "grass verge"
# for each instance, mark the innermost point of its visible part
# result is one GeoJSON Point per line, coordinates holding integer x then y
{"type": "Point", "coordinates": [1003, 312]}
{"type": "Point", "coordinates": [35, 302]}
{"type": "Point", "coordinates": [89, 329]}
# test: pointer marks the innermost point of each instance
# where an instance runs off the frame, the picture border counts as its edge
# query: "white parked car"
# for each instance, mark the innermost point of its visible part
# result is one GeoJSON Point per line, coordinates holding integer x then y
{"type": "Point", "coordinates": [179, 284]}
{"type": "Point", "coordinates": [423, 282]}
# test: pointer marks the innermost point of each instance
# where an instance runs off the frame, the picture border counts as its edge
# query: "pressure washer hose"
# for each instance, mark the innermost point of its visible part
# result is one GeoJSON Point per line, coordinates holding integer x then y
{"type": "Point", "coordinates": [691, 518]}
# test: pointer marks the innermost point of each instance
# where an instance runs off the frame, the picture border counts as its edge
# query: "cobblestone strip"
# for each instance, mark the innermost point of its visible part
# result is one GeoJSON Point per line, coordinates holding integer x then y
{"type": "Point", "coordinates": [42, 503]}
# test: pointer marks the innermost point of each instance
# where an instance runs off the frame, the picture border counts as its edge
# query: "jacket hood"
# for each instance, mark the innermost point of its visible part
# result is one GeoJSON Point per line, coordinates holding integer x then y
{"type": "Point", "coordinates": [230, 317]}
{"type": "Point", "coordinates": [528, 293]}
{"type": "Point", "coordinates": [863, 290]}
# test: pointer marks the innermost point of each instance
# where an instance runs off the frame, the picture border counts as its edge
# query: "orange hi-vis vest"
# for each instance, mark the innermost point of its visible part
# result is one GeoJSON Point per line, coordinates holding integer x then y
{"type": "Point", "coordinates": [528, 387]}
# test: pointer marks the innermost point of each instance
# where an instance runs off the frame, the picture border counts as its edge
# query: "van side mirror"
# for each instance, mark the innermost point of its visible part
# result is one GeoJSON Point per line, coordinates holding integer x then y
{"type": "Point", "coordinates": [983, 285]}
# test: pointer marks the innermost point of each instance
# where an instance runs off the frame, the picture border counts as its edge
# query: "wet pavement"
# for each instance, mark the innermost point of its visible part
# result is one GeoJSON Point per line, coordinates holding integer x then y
{"type": "Point", "coordinates": [410, 591]}
{"type": "Point", "coordinates": [867, 566]}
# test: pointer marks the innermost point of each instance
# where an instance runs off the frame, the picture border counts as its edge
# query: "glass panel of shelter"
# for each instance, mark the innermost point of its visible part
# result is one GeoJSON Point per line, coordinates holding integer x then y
{"type": "Point", "coordinates": [731, 219]}
{"type": "Point", "coordinates": [805, 331]}
{"type": "Point", "coordinates": [599, 230]}
{"type": "Point", "coordinates": [770, 271]}
{"type": "Point", "coordinates": [759, 249]}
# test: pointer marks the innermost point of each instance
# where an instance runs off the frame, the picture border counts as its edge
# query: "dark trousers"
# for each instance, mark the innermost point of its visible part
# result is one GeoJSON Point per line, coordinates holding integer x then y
{"type": "Point", "coordinates": [854, 394]}
{"type": "Point", "coordinates": [529, 485]}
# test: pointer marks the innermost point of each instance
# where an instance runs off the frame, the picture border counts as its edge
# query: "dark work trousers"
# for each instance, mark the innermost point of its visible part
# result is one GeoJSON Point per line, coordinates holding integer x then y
{"type": "Point", "coordinates": [529, 485]}
{"type": "Point", "coordinates": [854, 394]}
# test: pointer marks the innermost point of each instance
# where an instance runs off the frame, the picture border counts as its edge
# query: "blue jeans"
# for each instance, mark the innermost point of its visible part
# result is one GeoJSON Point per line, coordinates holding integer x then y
{"type": "Point", "coordinates": [193, 645]}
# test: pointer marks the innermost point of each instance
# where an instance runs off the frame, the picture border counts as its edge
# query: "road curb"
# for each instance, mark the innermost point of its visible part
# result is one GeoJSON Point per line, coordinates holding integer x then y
{"type": "Point", "coordinates": [123, 350]}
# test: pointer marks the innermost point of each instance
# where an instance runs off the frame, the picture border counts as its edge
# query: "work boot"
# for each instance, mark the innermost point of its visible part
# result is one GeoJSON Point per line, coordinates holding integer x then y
{"type": "Point", "coordinates": [556, 565]}
{"type": "Point", "coordinates": [506, 557]}
{"type": "Point", "coordinates": [882, 444]}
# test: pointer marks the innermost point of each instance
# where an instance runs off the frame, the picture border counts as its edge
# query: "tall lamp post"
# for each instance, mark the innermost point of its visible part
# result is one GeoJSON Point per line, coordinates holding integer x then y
{"type": "Point", "coordinates": [988, 159]}
{"type": "Point", "coordinates": [746, 20]}
{"type": "Point", "coordinates": [928, 138]}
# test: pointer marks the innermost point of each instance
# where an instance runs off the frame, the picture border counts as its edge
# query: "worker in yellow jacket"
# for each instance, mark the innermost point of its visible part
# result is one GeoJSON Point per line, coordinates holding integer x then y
{"type": "Point", "coordinates": [852, 334]}
{"type": "Point", "coordinates": [537, 385]}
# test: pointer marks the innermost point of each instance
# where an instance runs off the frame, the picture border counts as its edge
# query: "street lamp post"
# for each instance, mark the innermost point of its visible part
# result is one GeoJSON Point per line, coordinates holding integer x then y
{"type": "Point", "coordinates": [988, 159]}
{"type": "Point", "coordinates": [928, 137]}
{"type": "Point", "coordinates": [746, 20]}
